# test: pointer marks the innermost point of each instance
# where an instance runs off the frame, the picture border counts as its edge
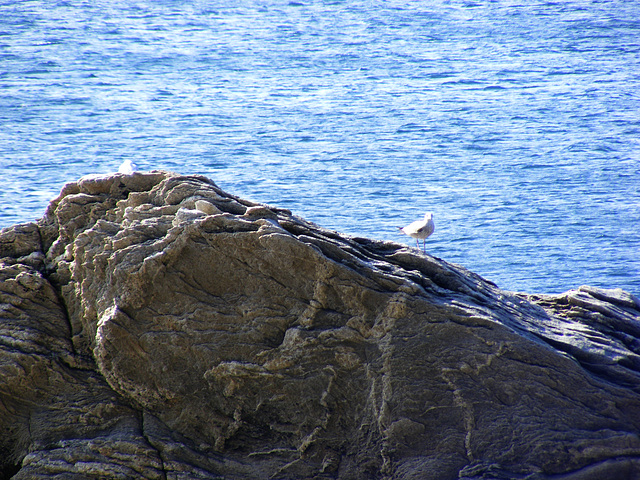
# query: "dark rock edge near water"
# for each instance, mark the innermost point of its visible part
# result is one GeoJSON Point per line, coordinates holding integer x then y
{"type": "Point", "coordinates": [153, 326]}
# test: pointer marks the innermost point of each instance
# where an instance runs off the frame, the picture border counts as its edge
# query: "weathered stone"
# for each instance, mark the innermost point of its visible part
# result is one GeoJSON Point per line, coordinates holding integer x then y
{"type": "Point", "coordinates": [153, 326]}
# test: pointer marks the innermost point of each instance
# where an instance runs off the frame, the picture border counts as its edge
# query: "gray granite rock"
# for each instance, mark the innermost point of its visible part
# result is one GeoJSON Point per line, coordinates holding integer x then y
{"type": "Point", "coordinates": [154, 326]}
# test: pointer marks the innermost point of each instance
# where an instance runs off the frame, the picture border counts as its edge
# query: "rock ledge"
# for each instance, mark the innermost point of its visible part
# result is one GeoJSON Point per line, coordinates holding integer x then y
{"type": "Point", "coordinates": [153, 326]}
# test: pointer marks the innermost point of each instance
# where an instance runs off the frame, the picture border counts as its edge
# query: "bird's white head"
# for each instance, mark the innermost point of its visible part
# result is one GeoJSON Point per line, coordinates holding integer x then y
{"type": "Point", "coordinates": [428, 215]}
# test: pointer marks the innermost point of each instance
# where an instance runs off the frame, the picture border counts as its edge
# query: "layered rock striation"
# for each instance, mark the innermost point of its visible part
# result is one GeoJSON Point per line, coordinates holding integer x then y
{"type": "Point", "coordinates": [153, 326]}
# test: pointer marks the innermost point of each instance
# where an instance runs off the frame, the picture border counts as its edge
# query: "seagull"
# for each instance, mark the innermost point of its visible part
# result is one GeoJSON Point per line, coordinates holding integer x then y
{"type": "Point", "coordinates": [127, 167]}
{"type": "Point", "coordinates": [420, 230]}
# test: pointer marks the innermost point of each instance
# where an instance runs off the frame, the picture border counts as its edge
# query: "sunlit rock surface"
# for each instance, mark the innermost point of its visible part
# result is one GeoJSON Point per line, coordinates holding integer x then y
{"type": "Point", "coordinates": [153, 326]}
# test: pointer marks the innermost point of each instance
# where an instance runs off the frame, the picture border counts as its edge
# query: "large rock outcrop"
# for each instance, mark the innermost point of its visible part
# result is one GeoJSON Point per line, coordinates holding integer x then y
{"type": "Point", "coordinates": [153, 326]}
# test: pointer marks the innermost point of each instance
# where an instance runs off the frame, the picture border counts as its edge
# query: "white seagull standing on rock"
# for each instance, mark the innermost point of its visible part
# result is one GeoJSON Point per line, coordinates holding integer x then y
{"type": "Point", "coordinates": [127, 167]}
{"type": "Point", "coordinates": [420, 230]}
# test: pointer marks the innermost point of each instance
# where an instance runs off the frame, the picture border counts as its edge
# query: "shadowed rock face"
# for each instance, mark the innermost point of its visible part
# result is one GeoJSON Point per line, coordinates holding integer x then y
{"type": "Point", "coordinates": [154, 326]}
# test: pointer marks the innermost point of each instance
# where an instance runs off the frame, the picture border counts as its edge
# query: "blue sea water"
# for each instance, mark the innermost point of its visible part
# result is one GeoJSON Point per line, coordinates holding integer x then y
{"type": "Point", "coordinates": [516, 122]}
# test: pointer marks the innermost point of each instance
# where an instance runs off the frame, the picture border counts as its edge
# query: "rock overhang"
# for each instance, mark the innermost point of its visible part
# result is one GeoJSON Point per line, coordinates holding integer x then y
{"type": "Point", "coordinates": [257, 337]}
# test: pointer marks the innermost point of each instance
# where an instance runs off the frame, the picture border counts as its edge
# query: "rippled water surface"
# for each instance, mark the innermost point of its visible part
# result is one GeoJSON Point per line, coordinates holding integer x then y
{"type": "Point", "coordinates": [516, 123]}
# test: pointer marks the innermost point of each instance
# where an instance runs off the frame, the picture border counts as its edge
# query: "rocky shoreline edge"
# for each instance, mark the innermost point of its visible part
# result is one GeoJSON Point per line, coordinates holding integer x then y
{"type": "Point", "coordinates": [153, 326]}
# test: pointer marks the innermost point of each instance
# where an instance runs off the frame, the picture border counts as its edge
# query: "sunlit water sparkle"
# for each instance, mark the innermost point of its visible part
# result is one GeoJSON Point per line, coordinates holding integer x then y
{"type": "Point", "coordinates": [516, 123]}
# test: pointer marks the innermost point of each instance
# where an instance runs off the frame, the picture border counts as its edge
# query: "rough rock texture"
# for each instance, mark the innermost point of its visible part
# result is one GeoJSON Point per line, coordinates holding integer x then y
{"type": "Point", "coordinates": [153, 326]}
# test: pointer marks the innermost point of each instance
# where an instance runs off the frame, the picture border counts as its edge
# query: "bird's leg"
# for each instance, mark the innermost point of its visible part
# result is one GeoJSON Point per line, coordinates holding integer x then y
{"type": "Point", "coordinates": [417, 243]}
{"type": "Point", "coordinates": [424, 246]}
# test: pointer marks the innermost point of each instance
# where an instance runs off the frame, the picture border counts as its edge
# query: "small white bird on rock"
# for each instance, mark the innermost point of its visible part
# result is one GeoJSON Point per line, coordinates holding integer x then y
{"type": "Point", "coordinates": [420, 230]}
{"type": "Point", "coordinates": [127, 167]}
